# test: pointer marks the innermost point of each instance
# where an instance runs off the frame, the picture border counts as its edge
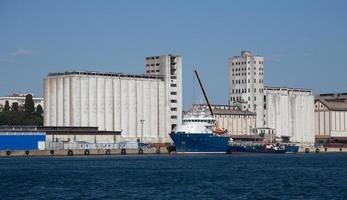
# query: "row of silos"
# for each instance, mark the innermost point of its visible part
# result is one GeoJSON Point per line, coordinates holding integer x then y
{"type": "Point", "coordinates": [291, 114]}
{"type": "Point", "coordinates": [135, 105]}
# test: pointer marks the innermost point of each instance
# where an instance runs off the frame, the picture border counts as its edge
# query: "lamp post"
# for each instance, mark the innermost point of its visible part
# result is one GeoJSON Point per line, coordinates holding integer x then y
{"type": "Point", "coordinates": [142, 121]}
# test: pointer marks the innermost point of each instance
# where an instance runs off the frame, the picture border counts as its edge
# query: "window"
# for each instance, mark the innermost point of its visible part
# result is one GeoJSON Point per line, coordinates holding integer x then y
{"type": "Point", "coordinates": [173, 85]}
{"type": "Point", "coordinates": [173, 93]}
{"type": "Point", "coordinates": [173, 109]}
{"type": "Point", "coordinates": [173, 101]}
{"type": "Point", "coordinates": [249, 90]}
{"type": "Point", "coordinates": [255, 80]}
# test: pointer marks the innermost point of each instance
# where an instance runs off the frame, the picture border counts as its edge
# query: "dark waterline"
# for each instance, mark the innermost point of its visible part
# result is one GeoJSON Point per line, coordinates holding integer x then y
{"type": "Point", "coordinates": [238, 176]}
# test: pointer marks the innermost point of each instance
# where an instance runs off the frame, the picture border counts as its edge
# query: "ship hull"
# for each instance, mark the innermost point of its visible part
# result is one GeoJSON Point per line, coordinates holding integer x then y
{"type": "Point", "coordinates": [199, 143]}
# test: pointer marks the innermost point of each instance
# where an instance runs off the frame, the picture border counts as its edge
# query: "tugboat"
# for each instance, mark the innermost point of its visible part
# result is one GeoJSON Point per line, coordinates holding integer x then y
{"type": "Point", "coordinates": [199, 132]}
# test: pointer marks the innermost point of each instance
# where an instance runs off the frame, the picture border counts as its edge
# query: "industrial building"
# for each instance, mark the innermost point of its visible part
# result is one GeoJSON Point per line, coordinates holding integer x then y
{"type": "Point", "coordinates": [140, 106]}
{"type": "Point", "coordinates": [330, 115]}
{"type": "Point", "coordinates": [290, 112]}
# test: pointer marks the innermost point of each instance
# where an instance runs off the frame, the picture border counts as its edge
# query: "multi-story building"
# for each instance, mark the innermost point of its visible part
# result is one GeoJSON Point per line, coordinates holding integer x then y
{"type": "Point", "coordinates": [246, 83]}
{"type": "Point", "coordinates": [330, 114]}
{"type": "Point", "coordinates": [144, 107]}
{"type": "Point", "coordinates": [170, 67]}
{"type": "Point", "coordinates": [20, 99]}
{"type": "Point", "coordinates": [289, 111]}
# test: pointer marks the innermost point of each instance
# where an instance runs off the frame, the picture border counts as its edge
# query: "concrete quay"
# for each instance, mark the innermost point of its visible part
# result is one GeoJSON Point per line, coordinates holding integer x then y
{"type": "Point", "coordinates": [82, 152]}
{"type": "Point", "coordinates": [322, 150]}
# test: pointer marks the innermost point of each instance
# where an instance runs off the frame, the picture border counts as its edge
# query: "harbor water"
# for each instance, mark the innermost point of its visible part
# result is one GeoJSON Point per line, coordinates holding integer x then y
{"type": "Point", "coordinates": [237, 176]}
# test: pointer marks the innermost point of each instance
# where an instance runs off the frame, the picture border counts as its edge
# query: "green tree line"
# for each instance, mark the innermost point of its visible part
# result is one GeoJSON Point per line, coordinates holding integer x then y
{"type": "Point", "coordinates": [25, 115]}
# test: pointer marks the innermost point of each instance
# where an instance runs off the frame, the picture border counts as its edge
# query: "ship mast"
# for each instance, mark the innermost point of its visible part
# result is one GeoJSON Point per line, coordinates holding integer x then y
{"type": "Point", "coordinates": [203, 91]}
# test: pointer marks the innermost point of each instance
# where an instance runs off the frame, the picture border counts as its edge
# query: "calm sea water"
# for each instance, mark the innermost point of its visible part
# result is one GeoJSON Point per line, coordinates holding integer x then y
{"type": "Point", "coordinates": [242, 176]}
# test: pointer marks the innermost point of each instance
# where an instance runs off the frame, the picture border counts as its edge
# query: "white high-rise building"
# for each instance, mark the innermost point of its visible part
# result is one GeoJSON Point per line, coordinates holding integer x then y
{"type": "Point", "coordinates": [170, 67]}
{"type": "Point", "coordinates": [246, 83]}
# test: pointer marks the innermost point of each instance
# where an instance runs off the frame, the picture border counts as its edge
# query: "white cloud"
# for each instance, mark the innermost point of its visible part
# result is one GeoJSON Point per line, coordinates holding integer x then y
{"type": "Point", "coordinates": [22, 52]}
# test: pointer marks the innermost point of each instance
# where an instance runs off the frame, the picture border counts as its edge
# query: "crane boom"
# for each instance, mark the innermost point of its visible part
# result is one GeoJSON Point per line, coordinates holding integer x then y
{"type": "Point", "coordinates": [203, 91]}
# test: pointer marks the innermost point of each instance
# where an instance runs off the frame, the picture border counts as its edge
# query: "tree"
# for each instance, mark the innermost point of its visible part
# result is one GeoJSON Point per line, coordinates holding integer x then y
{"type": "Point", "coordinates": [29, 106]}
{"type": "Point", "coordinates": [39, 111]}
{"type": "Point", "coordinates": [7, 106]}
{"type": "Point", "coordinates": [14, 107]}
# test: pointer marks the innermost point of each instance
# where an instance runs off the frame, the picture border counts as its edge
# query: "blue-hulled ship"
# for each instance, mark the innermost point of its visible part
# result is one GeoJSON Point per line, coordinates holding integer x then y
{"type": "Point", "coordinates": [198, 135]}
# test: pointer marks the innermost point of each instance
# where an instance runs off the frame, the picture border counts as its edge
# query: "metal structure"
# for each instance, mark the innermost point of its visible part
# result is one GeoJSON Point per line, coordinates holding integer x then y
{"type": "Point", "coordinates": [203, 91]}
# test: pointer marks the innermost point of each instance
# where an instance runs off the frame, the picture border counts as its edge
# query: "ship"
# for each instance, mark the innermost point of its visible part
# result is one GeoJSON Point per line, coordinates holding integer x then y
{"type": "Point", "coordinates": [199, 132]}
{"type": "Point", "coordinates": [197, 135]}
{"type": "Point", "coordinates": [262, 148]}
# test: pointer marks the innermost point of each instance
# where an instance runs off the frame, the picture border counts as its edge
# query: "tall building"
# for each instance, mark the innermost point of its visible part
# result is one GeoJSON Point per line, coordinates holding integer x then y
{"type": "Point", "coordinates": [145, 107]}
{"type": "Point", "coordinates": [170, 67]}
{"type": "Point", "coordinates": [246, 83]}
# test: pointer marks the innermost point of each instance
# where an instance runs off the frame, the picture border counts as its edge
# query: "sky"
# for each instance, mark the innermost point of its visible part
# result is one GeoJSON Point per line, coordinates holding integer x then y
{"type": "Point", "coordinates": [304, 42]}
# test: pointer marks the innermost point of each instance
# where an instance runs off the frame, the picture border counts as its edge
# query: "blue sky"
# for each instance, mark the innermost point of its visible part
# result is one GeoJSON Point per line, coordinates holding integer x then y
{"type": "Point", "coordinates": [304, 42]}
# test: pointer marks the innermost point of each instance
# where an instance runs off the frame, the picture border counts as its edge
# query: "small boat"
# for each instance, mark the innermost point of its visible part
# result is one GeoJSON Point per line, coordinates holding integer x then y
{"type": "Point", "coordinates": [291, 148]}
{"type": "Point", "coordinates": [256, 148]}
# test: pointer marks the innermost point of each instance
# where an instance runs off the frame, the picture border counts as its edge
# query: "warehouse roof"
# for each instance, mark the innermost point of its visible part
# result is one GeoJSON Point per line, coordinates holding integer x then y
{"type": "Point", "coordinates": [111, 74]}
{"type": "Point", "coordinates": [337, 103]}
{"type": "Point", "coordinates": [231, 112]}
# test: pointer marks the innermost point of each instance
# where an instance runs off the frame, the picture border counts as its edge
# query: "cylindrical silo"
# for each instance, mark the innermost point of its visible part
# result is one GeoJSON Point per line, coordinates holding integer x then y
{"type": "Point", "coordinates": [53, 102]}
{"type": "Point", "coordinates": [84, 101]}
{"type": "Point", "coordinates": [60, 101]}
{"type": "Point", "coordinates": [92, 101]}
{"type": "Point", "coordinates": [75, 101]}
{"type": "Point", "coordinates": [66, 98]}
{"type": "Point", "coordinates": [47, 102]}
{"type": "Point", "coordinates": [108, 104]}
{"type": "Point", "coordinates": [101, 103]}
{"type": "Point", "coordinates": [117, 104]}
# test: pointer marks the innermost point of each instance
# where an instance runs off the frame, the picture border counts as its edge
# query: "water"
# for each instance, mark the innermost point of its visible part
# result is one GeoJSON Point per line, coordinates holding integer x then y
{"type": "Point", "coordinates": [247, 176]}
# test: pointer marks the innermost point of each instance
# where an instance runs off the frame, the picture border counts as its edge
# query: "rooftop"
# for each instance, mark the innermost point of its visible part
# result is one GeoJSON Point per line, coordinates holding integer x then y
{"type": "Point", "coordinates": [288, 88]}
{"type": "Point", "coordinates": [336, 101]}
{"type": "Point", "coordinates": [110, 74]}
